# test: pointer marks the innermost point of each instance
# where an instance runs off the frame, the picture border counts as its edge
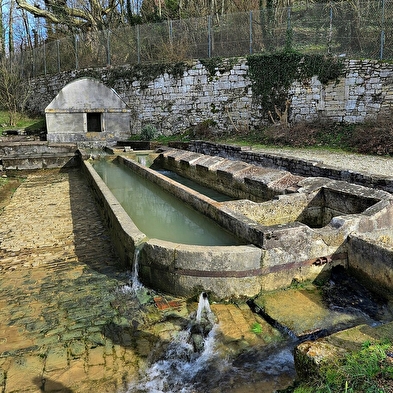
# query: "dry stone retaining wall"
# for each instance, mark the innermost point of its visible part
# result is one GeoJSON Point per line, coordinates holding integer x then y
{"type": "Point", "coordinates": [172, 103]}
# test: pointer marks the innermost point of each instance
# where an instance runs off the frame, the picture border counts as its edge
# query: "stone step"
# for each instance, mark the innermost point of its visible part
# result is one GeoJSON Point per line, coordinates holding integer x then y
{"type": "Point", "coordinates": [311, 356]}
{"type": "Point", "coordinates": [40, 161]}
{"type": "Point", "coordinates": [239, 323]}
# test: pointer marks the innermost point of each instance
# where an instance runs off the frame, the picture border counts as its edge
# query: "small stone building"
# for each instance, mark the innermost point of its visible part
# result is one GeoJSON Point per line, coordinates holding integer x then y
{"type": "Point", "coordinates": [86, 110]}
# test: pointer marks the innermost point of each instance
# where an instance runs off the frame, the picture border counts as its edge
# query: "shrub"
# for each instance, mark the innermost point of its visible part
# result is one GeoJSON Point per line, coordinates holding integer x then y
{"type": "Point", "coordinates": [148, 132]}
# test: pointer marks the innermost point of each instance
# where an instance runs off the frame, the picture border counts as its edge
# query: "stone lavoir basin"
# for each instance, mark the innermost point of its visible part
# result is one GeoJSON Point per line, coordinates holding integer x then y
{"type": "Point", "coordinates": [288, 228]}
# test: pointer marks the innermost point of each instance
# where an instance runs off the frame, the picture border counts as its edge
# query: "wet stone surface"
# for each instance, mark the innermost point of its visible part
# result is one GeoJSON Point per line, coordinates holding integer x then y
{"type": "Point", "coordinates": [69, 320]}
{"type": "Point", "coordinates": [308, 311]}
{"type": "Point", "coordinates": [58, 276]}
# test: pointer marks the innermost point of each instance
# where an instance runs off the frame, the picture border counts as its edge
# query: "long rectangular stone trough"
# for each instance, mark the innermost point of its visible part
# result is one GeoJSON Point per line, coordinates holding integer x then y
{"type": "Point", "coordinates": [292, 227]}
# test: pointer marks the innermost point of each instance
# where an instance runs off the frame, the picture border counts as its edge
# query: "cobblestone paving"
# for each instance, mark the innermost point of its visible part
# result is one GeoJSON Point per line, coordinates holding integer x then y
{"type": "Point", "coordinates": [67, 322]}
{"type": "Point", "coordinates": [58, 276]}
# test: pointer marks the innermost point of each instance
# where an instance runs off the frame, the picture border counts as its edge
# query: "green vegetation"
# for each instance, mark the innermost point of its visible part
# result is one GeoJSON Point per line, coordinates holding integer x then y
{"type": "Point", "coordinates": [256, 328]}
{"type": "Point", "coordinates": [145, 73]}
{"type": "Point", "coordinates": [215, 64]}
{"type": "Point", "coordinates": [32, 125]}
{"type": "Point", "coordinates": [369, 370]}
{"type": "Point", "coordinates": [367, 138]}
{"type": "Point", "coordinates": [148, 132]}
{"type": "Point", "coordinates": [273, 74]}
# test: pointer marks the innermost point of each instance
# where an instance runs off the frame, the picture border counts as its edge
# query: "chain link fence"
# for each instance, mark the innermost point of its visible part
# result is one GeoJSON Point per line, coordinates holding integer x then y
{"type": "Point", "coordinates": [362, 29]}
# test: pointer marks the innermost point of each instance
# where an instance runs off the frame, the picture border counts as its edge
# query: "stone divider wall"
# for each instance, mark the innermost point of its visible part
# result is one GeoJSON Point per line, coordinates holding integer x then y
{"type": "Point", "coordinates": [307, 168]}
{"type": "Point", "coordinates": [175, 103]}
{"type": "Point", "coordinates": [370, 259]}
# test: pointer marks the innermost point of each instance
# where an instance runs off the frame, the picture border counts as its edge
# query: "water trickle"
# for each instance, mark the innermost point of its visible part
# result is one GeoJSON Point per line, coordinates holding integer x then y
{"type": "Point", "coordinates": [135, 283]}
{"type": "Point", "coordinates": [135, 289]}
{"type": "Point", "coordinates": [142, 159]}
{"type": "Point", "coordinates": [203, 307]}
{"type": "Point", "coordinates": [179, 368]}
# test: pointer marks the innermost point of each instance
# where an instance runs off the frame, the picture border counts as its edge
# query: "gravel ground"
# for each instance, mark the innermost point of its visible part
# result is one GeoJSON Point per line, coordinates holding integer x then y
{"type": "Point", "coordinates": [377, 165]}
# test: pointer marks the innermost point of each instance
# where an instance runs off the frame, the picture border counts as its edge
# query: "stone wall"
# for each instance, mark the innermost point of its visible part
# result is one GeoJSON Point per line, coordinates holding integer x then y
{"type": "Point", "coordinates": [175, 103]}
{"type": "Point", "coordinates": [37, 155]}
{"type": "Point", "coordinates": [370, 259]}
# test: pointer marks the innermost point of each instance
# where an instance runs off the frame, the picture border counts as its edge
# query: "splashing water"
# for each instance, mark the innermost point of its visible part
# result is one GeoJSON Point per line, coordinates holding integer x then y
{"type": "Point", "coordinates": [135, 283]}
{"type": "Point", "coordinates": [203, 306]}
{"type": "Point", "coordinates": [179, 370]}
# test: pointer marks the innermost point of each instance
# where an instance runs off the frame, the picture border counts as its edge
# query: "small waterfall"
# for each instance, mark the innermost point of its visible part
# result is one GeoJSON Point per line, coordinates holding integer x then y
{"type": "Point", "coordinates": [142, 160]}
{"type": "Point", "coordinates": [135, 283]}
{"type": "Point", "coordinates": [194, 360]}
{"type": "Point", "coordinates": [134, 286]}
{"type": "Point", "coordinates": [180, 368]}
{"type": "Point", "coordinates": [203, 306]}
{"type": "Point", "coordinates": [189, 355]}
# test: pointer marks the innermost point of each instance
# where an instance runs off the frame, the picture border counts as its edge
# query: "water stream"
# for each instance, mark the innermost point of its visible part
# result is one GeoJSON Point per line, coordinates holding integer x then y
{"type": "Point", "coordinates": [186, 366]}
{"type": "Point", "coordinates": [135, 283]}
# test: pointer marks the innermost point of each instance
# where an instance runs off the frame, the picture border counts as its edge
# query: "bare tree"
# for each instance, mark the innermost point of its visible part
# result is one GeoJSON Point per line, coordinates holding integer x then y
{"type": "Point", "coordinates": [87, 15]}
{"type": "Point", "coordinates": [11, 27]}
{"type": "Point", "coordinates": [2, 32]}
{"type": "Point", "coordinates": [14, 90]}
{"type": "Point", "coordinates": [27, 29]}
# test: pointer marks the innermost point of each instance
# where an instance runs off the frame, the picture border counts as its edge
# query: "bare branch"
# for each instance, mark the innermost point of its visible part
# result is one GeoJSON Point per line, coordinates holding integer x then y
{"type": "Point", "coordinates": [73, 17]}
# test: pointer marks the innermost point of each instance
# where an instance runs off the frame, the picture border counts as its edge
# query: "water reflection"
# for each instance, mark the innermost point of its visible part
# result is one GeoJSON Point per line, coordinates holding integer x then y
{"type": "Point", "coordinates": [157, 213]}
{"type": "Point", "coordinates": [213, 194]}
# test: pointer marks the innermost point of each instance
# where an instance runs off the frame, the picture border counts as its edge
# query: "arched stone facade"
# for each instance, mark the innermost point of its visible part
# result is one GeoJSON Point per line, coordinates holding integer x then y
{"type": "Point", "coordinates": [87, 110]}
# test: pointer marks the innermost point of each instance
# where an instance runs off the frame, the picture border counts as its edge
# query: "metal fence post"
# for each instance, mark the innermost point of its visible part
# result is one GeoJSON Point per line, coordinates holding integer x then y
{"type": "Point", "coordinates": [76, 52]}
{"type": "Point", "coordinates": [382, 30]}
{"type": "Point", "coordinates": [58, 55]}
{"type": "Point", "coordinates": [251, 33]}
{"type": "Point", "coordinates": [171, 31]}
{"type": "Point", "coordinates": [209, 36]}
{"type": "Point", "coordinates": [138, 43]}
{"type": "Point", "coordinates": [33, 61]}
{"type": "Point", "coordinates": [108, 48]}
{"type": "Point", "coordinates": [288, 41]}
{"type": "Point", "coordinates": [330, 36]}
{"type": "Point", "coordinates": [44, 58]}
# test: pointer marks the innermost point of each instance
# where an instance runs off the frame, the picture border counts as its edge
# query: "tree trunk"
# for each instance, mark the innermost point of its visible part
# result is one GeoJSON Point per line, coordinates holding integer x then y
{"type": "Point", "coordinates": [11, 28]}
{"type": "Point", "coordinates": [2, 33]}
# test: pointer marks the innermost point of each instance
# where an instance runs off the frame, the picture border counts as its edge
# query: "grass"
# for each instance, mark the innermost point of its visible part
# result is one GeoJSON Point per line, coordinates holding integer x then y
{"type": "Point", "coordinates": [256, 328]}
{"type": "Point", "coordinates": [28, 123]}
{"type": "Point", "coordinates": [369, 370]}
{"type": "Point", "coordinates": [3, 181]}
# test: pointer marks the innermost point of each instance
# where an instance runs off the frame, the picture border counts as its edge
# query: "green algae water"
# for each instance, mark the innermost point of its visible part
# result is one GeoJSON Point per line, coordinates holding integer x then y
{"type": "Point", "coordinates": [212, 194]}
{"type": "Point", "coordinates": [157, 213]}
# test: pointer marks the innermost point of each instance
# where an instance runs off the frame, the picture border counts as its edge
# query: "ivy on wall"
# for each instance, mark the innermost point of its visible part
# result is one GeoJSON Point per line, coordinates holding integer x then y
{"type": "Point", "coordinates": [145, 73]}
{"type": "Point", "coordinates": [215, 64]}
{"type": "Point", "coordinates": [273, 74]}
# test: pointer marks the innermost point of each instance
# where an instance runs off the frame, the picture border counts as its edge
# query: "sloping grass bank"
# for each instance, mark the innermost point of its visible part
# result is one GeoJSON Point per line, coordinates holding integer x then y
{"type": "Point", "coordinates": [31, 125]}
